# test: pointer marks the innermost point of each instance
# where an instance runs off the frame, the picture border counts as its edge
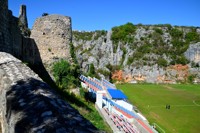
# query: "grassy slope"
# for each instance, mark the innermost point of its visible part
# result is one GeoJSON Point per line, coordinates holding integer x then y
{"type": "Point", "coordinates": [90, 113]}
{"type": "Point", "coordinates": [184, 115]}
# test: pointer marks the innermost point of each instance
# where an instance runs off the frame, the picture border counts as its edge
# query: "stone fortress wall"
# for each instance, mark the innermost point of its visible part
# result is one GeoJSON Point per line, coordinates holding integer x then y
{"type": "Point", "coordinates": [49, 40]}
{"type": "Point", "coordinates": [11, 38]}
{"type": "Point", "coordinates": [4, 26]}
{"type": "Point", "coordinates": [29, 105]}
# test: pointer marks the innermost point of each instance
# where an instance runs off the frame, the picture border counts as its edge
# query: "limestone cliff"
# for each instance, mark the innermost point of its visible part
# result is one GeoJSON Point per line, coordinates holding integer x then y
{"type": "Point", "coordinates": [193, 53]}
{"type": "Point", "coordinates": [151, 54]}
{"type": "Point", "coordinates": [29, 105]}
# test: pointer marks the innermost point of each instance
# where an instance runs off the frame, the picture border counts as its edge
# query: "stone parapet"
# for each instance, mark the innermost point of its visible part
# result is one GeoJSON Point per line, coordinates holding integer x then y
{"type": "Point", "coordinates": [29, 105]}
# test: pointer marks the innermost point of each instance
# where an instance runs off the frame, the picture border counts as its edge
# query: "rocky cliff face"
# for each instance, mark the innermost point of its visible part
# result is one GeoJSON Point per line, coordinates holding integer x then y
{"type": "Point", "coordinates": [29, 105]}
{"type": "Point", "coordinates": [98, 51]}
{"type": "Point", "coordinates": [155, 55]}
{"type": "Point", "coordinates": [193, 53]}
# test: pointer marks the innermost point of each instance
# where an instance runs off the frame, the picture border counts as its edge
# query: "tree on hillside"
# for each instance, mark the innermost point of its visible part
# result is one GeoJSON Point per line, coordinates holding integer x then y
{"type": "Point", "coordinates": [72, 53]}
{"type": "Point", "coordinates": [123, 33]}
{"type": "Point", "coordinates": [192, 37]}
{"type": "Point", "coordinates": [66, 75]}
{"type": "Point", "coordinates": [162, 62]}
{"type": "Point", "coordinates": [75, 66]}
{"type": "Point", "coordinates": [91, 70]}
{"type": "Point", "coordinates": [176, 33]}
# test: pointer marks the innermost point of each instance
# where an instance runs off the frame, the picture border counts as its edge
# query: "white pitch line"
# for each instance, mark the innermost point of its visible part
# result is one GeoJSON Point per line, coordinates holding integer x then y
{"type": "Point", "coordinates": [175, 105]}
{"type": "Point", "coordinates": [182, 105]}
{"type": "Point", "coordinates": [195, 103]}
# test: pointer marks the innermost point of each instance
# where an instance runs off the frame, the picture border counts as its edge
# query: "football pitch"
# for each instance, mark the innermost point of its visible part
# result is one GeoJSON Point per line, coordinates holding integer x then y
{"type": "Point", "coordinates": [151, 100]}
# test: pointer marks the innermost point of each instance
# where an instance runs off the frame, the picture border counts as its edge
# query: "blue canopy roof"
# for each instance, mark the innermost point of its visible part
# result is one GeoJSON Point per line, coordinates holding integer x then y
{"type": "Point", "coordinates": [116, 94]}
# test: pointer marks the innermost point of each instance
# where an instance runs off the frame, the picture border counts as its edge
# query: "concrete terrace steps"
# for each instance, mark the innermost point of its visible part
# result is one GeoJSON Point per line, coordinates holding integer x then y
{"type": "Point", "coordinates": [116, 123]}
{"type": "Point", "coordinates": [106, 118]}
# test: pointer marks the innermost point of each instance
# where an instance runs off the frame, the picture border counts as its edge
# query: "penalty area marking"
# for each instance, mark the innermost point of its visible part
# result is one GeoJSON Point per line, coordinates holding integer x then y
{"type": "Point", "coordinates": [195, 103]}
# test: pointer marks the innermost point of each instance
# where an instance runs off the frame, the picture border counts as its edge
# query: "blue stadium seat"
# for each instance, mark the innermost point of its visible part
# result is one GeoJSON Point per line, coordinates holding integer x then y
{"type": "Point", "coordinates": [122, 109]}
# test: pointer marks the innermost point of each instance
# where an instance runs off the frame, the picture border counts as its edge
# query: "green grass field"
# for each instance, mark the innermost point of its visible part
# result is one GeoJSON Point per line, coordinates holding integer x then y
{"type": "Point", "coordinates": [151, 100]}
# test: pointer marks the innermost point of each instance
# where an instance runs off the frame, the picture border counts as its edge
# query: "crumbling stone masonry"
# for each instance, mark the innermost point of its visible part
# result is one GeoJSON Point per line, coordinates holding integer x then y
{"type": "Point", "coordinates": [53, 35]}
{"type": "Point", "coordinates": [13, 37]}
{"type": "Point", "coordinates": [29, 105]}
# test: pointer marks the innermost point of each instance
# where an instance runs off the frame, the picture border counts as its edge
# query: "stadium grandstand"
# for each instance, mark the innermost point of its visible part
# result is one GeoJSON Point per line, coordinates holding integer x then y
{"type": "Point", "coordinates": [113, 104]}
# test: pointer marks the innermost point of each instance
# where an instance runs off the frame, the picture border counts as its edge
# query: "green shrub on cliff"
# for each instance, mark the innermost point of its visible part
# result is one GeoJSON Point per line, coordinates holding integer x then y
{"type": "Point", "coordinates": [191, 78]}
{"type": "Point", "coordinates": [83, 35]}
{"type": "Point", "coordinates": [176, 33]}
{"type": "Point", "coordinates": [181, 60]}
{"type": "Point", "coordinates": [123, 33]}
{"type": "Point", "coordinates": [159, 31]}
{"type": "Point", "coordinates": [91, 72]}
{"type": "Point", "coordinates": [99, 33]}
{"type": "Point", "coordinates": [192, 36]}
{"type": "Point", "coordinates": [66, 74]}
{"type": "Point", "coordinates": [162, 62]}
{"type": "Point", "coordinates": [130, 60]}
{"type": "Point", "coordinates": [104, 72]}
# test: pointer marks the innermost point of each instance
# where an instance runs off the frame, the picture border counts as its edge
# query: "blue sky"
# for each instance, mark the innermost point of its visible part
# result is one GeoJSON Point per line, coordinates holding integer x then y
{"type": "Point", "coordinates": [105, 14]}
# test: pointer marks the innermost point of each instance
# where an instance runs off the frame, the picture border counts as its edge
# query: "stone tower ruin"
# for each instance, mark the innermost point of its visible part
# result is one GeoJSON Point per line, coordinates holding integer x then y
{"type": "Point", "coordinates": [22, 16]}
{"type": "Point", "coordinates": [14, 32]}
{"type": "Point", "coordinates": [52, 34]}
